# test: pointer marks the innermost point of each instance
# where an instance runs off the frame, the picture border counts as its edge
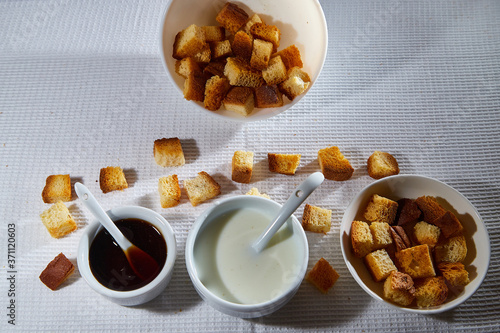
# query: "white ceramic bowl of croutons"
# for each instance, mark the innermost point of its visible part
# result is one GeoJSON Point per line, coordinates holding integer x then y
{"type": "Point", "coordinates": [302, 23]}
{"type": "Point", "coordinates": [413, 186]}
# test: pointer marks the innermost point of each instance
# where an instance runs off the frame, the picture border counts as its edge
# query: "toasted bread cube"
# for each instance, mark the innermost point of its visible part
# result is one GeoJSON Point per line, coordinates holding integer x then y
{"type": "Point", "coordinates": [323, 276]}
{"type": "Point", "coordinates": [379, 264]}
{"type": "Point", "coordinates": [215, 68]}
{"type": "Point", "coordinates": [430, 208]}
{"type": "Point", "coordinates": [275, 72]}
{"type": "Point", "coordinates": [112, 178]}
{"type": "Point", "coordinates": [187, 66]}
{"type": "Point", "coordinates": [251, 21]}
{"type": "Point", "coordinates": [170, 191]}
{"type": "Point", "coordinates": [57, 188]}
{"type": "Point", "coordinates": [449, 224]}
{"type": "Point", "coordinates": [204, 55]}
{"type": "Point", "coordinates": [380, 209]}
{"type": "Point", "coordinates": [431, 291]}
{"type": "Point", "coordinates": [58, 220]}
{"type": "Point", "coordinates": [416, 261]}
{"type": "Point", "coordinates": [194, 87]}
{"type": "Point", "coordinates": [268, 97]}
{"type": "Point", "coordinates": [216, 89]}
{"type": "Point", "coordinates": [201, 188]}
{"type": "Point", "coordinates": [453, 249]}
{"type": "Point", "coordinates": [400, 238]}
{"type": "Point", "coordinates": [239, 73]}
{"type": "Point", "coordinates": [334, 165]}
{"type": "Point", "coordinates": [188, 42]}
{"type": "Point", "coordinates": [242, 166]}
{"type": "Point", "coordinates": [242, 46]}
{"type": "Point", "coordinates": [408, 211]}
{"type": "Point", "coordinates": [296, 83]}
{"type": "Point", "coordinates": [291, 57]}
{"type": "Point", "coordinates": [240, 100]}
{"type": "Point", "coordinates": [283, 163]}
{"type": "Point", "coordinates": [57, 271]}
{"type": "Point", "coordinates": [316, 219]}
{"type": "Point", "coordinates": [399, 288]}
{"type": "Point", "coordinates": [269, 33]}
{"type": "Point", "coordinates": [255, 191]}
{"type": "Point", "coordinates": [231, 17]}
{"type": "Point", "coordinates": [168, 152]}
{"type": "Point", "coordinates": [220, 49]}
{"type": "Point", "coordinates": [381, 164]}
{"type": "Point", "coordinates": [261, 54]}
{"type": "Point", "coordinates": [214, 33]}
{"type": "Point", "coordinates": [381, 232]}
{"type": "Point", "coordinates": [454, 273]}
{"type": "Point", "coordinates": [426, 233]}
{"type": "Point", "coordinates": [361, 238]}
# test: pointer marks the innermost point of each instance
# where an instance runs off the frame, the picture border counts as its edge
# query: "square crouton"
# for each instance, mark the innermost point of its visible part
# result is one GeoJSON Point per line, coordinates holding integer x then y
{"type": "Point", "coordinates": [400, 238]}
{"type": "Point", "coordinates": [242, 166]}
{"type": "Point", "coordinates": [379, 264]}
{"type": "Point", "coordinates": [283, 163]}
{"type": "Point", "coordinates": [214, 33]}
{"type": "Point", "coordinates": [296, 82]}
{"type": "Point", "coordinates": [186, 67]}
{"type": "Point", "coordinates": [381, 164]}
{"type": "Point", "coordinates": [220, 49]}
{"type": "Point", "coordinates": [454, 273]}
{"type": "Point", "coordinates": [168, 152]}
{"type": "Point", "coordinates": [316, 219]}
{"type": "Point", "coordinates": [231, 17]}
{"type": "Point", "coordinates": [275, 72]}
{"type": "Point", "coordinates": [269, 33]}
{"type": "Point", "coordinates": [255, 191]}
{"type": "Point", "coordinates": [112, 178]}
{"type": "Point", "coordinates": [334, 165]}
{"type": "Point", "coordinates": [189, 42]}
{"type": "Point", "coordinates": [408, 212]}
{"type": "Point", "coordinates": [449, 224]}
{"type": "Point", "coordinates": [323, 276]}
{"type": "Point", "coordinates": [194, 87]}
{"type": "Point", "coordinates": [399, 288]}
{"type": "Point", "coordinates": [381, 209]}
{"type": "Point", "coordinates": [169, 190]}
{"type": "Point", "coordinates": [426, 233]}
{"type": "Point", "coordinates": [242, 46]}
{"type": "Point", "coordinates": [416, 261]}
{"type": "Point", "coordinates": [261, 54]}
{"type": "Point", "coordinates": [381, 232]}
{"type": "Point", "coordinates": [216, 89]}
{"type": "Point", "coordinates": [57, 271]}
{"type": "Point", "coordinates": [268, 97]}
{"type": "Point", "coordinates": [255, 18]}
{"type": "Point", "coordinates": [453, 249]}
{"type": "Point", "coordinates": [291, 57]}
{"type": "Point", "coordinates": [240, 100]}
{"type": "Point", "coordinates": [431, 291]}
{"type": "Point", "coordinates": [361, 238]}
{"type": "Point", "coordinates": [240, 74]}
{"type": "Point", "coordinates": [430, 208]}
{"type": "Point", "coordinates": [58, 220]}
{"type": "Point", "coordinates": [201, 188]}
{"type": "Point", "coordinates": [57, 188]}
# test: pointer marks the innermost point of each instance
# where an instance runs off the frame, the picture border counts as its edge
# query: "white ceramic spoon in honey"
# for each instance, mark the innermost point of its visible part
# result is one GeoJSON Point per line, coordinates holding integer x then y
{"type": "Point", "coordinates": [294, 201]}
{"type": "Point", "coordinates": [141, 262]}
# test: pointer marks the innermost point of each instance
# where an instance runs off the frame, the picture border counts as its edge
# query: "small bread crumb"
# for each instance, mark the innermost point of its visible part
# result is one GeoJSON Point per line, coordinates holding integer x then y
{"type": "Point", "coordinates": [255, 191]}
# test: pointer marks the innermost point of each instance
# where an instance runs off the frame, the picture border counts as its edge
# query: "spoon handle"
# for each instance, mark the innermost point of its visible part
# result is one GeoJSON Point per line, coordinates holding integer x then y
{"type": "Point", "coordinates": [294, 201]}
{"type": "Point", "coordinates": [91, 203]}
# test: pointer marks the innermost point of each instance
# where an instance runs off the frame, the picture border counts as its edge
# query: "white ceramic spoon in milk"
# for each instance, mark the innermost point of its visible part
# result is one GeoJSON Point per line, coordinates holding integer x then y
{"type": "Point", "coordinates": [142, 263]}
{"type": "Point", "coordinates": [294, 201]}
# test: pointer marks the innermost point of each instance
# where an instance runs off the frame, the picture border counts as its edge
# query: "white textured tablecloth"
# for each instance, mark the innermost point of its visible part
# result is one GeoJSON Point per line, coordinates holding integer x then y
{"type": "Point", "coordinates": [82, 87]}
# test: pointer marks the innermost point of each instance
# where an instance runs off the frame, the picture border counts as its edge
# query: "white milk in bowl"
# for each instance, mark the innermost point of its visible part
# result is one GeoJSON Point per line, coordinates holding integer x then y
{"type": "Point", "coordinates": [229, 268]}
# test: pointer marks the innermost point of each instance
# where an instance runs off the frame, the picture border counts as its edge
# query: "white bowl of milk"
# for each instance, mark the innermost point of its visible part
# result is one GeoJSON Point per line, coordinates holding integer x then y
{"type": "Point", "coordinates": [228, 274]}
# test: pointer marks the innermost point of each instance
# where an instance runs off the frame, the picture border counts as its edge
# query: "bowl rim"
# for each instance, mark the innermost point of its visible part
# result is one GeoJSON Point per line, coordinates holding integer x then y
{"type": "Point", "coordinates": [191, 266]}
{"type": "Point", "coordinates": [120, 213]}
{"type": "Point", "coordinates": [239, 118]}
{"type": "Point", "coordinates": [441, 308]}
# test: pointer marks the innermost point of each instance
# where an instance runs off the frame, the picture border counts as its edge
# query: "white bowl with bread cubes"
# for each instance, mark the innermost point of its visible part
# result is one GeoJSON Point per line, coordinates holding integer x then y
{"type": "Point", "coordinates": [245, 60]}
{"type": "Point", "coordinates": [415, 243]}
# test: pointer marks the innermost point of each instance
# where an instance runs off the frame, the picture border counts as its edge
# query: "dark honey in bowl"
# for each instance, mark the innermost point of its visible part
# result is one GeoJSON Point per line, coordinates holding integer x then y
{"type": "Point", "coordinates": [109, 264]}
